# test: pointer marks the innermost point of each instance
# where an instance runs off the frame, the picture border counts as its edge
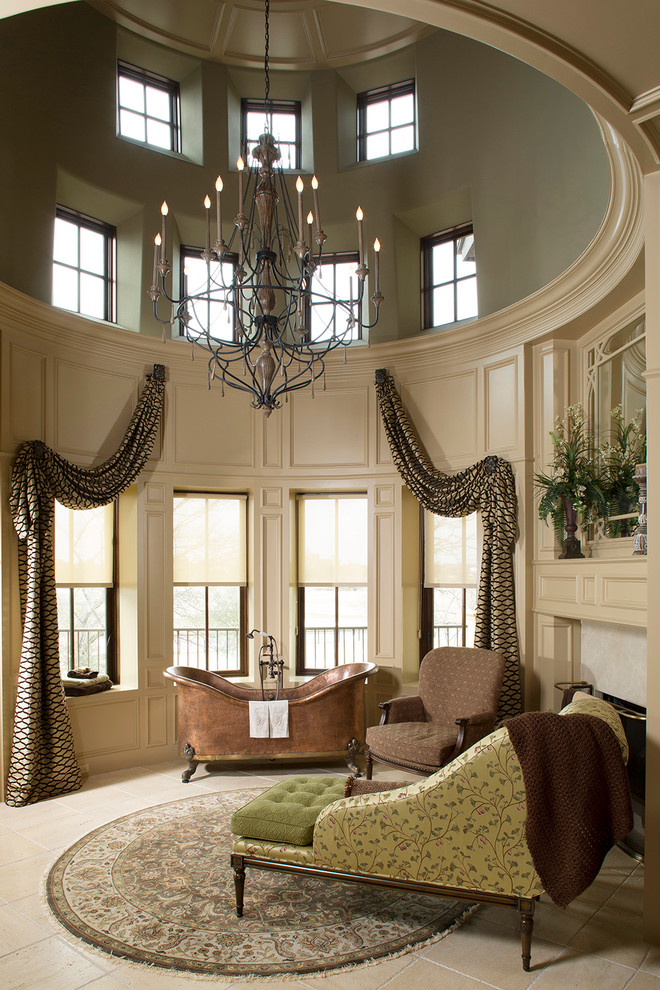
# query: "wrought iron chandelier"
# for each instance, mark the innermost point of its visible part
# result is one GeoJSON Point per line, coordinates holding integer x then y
{"type": "Point", "coordinates": [269, 287]}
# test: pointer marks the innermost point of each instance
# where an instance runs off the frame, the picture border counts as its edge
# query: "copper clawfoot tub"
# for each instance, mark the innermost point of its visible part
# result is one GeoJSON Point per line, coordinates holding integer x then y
{"type": "Point", "coordinates": [326, 715]}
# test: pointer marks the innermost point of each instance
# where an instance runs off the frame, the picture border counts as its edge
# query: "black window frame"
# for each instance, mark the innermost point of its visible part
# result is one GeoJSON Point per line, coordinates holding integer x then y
{"type": "Point", "coordinates": [156, 81]}
{"type": "Point", "coordinates": [453, 235]}
{"type": "Point", "coordinates": [111, 610]}
{"type": "Point", "coordinates": [242, 670]}
{"type": "Point", "coordinates": [191, 251]}
{"type": "Point", "coordinates": [335, 258]}
{"type": "Point", "coordinates": [109, 232]}
{"type": "Point", "coordinates": [380, 95]}
{"type": "Point", "coordinates": [291, 107]}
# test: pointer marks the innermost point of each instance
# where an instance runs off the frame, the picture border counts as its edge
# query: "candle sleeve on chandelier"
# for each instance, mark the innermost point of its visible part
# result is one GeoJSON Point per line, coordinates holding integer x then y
{"type": "Point", "coordinates": [164, 210]}
{"type": "Point", "coordinates": [240, 165]}
{"type": "Point", "coordinates": [218, 206]}
{"type": "Point", "coordinates": [157, 240]}
{"type": "Point", "coordinates": [315, 194]}
{"type": "Point", "coordinates": [207, 207]}
{"type": "Point", "coordinates": [359, 216]}
{"type": "Point", "coordinates": [300, 186]}
{"type": "Point", "coordinates": [310, 221]}
{"type": "Point", "coordinates": [377, 264]}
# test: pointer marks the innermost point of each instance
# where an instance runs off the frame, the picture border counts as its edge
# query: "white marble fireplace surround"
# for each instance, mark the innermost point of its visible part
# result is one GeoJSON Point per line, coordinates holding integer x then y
{"type": "Point", "coordinates": [613, 659]}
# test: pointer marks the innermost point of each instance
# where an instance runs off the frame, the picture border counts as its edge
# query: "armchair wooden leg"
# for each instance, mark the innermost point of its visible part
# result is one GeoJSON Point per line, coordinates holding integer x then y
{"type": "Point", "coordinates": [239, 883]}
{"type": "Point", "coordinates": [526, 911]}
{"type": "Point", "coordinates": [369, 763]}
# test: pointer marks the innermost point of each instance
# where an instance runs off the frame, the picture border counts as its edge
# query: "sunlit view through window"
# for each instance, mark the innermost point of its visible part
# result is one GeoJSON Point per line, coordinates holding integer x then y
{"type": "Point", "coordinates": [332, 580]}
{"type": "Point", "coordinates": [83, 265]}
{"type": "Point", "coordinates": [210, 581]}
{"type": "Point", "coordinates": [147, 107]}
{"type": "Point", "coordinates": [333, 277]}
{"type": "Point", "coordinates": [215, 314]}
{"type": "Point", "coordinates": [386, 121]}
{"type": "Point", "coordinates": [283, 122]}
{"type": "Point", "coordinates": [450, 278]}
{"type": "Point", "coordinates": [84, 569]}
{"type": "Point", "coordinates": [451, 573]}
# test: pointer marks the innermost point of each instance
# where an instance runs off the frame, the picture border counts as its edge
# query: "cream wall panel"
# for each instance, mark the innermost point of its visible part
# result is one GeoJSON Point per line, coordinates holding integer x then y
{"type": "Point", "coordinates": [271, 434]}
{"type": "Point", "coordinates": [27, 395]}
{"type": "Point", "coordinates": [558, 588]}
{"type": "Point", "coordinates": [271, 589]}
{"type": "Point", "coordinates": [156, 720]}
{"type": "Point", "coordinates": [330, 430]}
{"type": "Point", "coordinates": [627, 593]}
{"type": "Point", "coordinates": [104, 727]}
{"type": "Point", "coordinates": [211, 429]}
{"type": "Point", "coordinates": [556, 657]}
{"type": "Point", "coordinates": [501, 406]}
{"type": "Point", "coordinates": [385, 587]}
{"type": "Point", "coordinates": [383, 455]}
{"type": "Point", "coordinates": [444, 412]}
{"type": "Point", "coordinates": [156, 593]}
{"type": "Point", "coordinates": [108, 400]}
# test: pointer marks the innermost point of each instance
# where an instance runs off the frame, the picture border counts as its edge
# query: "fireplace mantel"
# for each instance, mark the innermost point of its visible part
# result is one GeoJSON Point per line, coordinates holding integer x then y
{"type": "Point", "coordinates": [602, 589]}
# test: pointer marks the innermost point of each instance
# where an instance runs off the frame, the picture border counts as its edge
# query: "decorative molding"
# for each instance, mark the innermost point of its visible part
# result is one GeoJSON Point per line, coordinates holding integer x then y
{"type": "Point", "coordinates": [271, 498]}
{"type": "Point", "coordinates": [155, 494]}
{"type": "Point", "coordinates": [601, 589]}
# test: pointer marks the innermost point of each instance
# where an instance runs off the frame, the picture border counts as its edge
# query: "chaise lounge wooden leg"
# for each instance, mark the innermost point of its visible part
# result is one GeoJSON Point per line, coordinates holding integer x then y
{"type": "Point", "coordinates": [526, 911]}
{"type": "Point", "coordinates": [239, 883]}
{"type": "Point", "coordinates": [369, 761]}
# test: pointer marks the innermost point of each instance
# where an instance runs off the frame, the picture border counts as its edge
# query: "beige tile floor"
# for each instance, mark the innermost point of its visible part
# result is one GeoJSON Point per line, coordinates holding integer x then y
{"type": "Point", "coordinates": [595, 943]}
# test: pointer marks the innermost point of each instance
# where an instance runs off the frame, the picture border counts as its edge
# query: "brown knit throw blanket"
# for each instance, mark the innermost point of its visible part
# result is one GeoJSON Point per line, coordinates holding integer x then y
{"type": "Point", "coordinates": [578, 796]}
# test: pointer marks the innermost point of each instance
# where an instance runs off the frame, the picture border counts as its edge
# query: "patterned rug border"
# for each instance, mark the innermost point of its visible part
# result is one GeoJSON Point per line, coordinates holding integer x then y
{"type": "Point", "coordinates": [93, 948]}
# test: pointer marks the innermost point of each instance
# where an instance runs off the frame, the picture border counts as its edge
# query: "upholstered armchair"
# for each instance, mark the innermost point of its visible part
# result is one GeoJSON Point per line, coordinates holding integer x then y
{"type": "Point", "coordinates": [459, 690]}
{"type": "Point", "coordinates": [460, 833]}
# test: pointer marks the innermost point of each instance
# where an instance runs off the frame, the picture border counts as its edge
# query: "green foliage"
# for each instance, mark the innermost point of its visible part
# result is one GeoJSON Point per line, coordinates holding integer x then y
{"type": "Point", "coordinates": [619, 456]}
{"type": "Point", "coordinates": [574, 474]}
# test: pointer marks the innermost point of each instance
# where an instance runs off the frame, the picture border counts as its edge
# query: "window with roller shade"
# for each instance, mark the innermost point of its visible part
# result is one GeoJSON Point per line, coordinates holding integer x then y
{"type": "Point", "coordinates": [451, 575]}
{"type": "Point", "coordinates": [332, 581]}
{"type": "Point", "coordinates": [210, 582]}
{"type": "Point", "coordinates": [85, 578]}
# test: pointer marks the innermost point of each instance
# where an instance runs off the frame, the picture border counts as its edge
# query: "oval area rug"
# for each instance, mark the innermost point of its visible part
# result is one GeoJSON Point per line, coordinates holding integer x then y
{"type": "Point", "coordinates": [156, 887]}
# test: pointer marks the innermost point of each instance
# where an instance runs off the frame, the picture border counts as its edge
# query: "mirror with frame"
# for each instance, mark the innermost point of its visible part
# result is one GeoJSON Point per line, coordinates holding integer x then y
{"type": "Point", "coordinates": [615, 369]}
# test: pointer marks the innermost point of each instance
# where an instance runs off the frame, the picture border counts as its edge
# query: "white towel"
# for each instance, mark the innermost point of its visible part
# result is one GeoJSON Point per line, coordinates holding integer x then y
{"type": "Point", "coordinates": [258, 719]}
{"type": "Point", "coordinates": [278, 712]}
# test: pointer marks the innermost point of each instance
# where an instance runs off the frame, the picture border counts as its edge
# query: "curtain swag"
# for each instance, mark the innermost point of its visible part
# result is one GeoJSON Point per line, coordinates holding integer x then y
{"type": "Point", "coordinates": [43, 762]}
{"type": "Point", "coordinates": [489, 487]}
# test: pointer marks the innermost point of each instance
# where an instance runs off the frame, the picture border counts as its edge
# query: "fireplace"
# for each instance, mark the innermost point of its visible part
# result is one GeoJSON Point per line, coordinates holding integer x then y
{"type": "Point", "coordinates": [613, 660]}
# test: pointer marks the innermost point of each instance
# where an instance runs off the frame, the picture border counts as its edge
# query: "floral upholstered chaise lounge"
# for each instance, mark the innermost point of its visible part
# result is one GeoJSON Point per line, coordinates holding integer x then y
{"type": "Point", "coordinates": [460, 833]}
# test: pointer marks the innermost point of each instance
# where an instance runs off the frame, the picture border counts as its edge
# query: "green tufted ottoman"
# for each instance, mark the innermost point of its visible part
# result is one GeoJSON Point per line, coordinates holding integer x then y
{"type": "Point", "coordinates": [287, 812]}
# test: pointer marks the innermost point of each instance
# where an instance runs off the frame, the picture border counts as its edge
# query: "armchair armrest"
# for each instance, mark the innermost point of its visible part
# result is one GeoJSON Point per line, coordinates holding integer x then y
{"type": "Point", "coordinates": [471, 729]}
{"type": "Point", "coordinates": [402, 710]}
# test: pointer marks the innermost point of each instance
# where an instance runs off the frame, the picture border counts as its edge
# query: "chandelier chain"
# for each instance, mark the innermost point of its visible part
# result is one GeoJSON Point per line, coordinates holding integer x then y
{"type": "Point", "coordinates": [266, 58]}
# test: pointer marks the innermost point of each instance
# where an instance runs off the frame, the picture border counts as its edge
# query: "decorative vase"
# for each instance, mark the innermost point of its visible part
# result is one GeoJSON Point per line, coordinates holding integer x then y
{"type": "Point", "coordinates": [570, 548]}
{"type": "Point", "coordinates": [640, 544]}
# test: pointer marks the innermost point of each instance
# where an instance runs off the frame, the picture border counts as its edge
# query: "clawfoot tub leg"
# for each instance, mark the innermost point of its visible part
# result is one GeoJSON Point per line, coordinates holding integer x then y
{"type": "Point", "coordinates": [526, 911]}
{"type": "Point", "coordinates": [239, 883]}
{"type": "Point", "coordinates": [188, 754]}
{"type": "Point", "coordinates": [352, 750]}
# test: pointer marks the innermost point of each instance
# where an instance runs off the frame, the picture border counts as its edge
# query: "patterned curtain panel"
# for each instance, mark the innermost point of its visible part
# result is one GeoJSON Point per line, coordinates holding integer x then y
{"type": "Point", "coordinates": [43, 762]}
{"type": "Point", "coordinates": [488, 486]}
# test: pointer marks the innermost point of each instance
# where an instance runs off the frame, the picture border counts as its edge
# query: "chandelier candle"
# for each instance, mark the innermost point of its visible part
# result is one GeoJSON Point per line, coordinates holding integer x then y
{"type": "Point", "coordinates": [163, 237]}
{"type": "Point", "coordinates": [281, 320]}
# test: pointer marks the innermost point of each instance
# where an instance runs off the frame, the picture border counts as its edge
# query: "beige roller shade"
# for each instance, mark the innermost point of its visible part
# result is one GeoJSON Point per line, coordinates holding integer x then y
{"type": "Point", "coordinates": [451, 551]}
{"type": "Point", "coordinates": [83, 546]}
{"type": "Point", "coordinates": [332, 540]}
{"type": "Point", "coordinates": [210, 540]}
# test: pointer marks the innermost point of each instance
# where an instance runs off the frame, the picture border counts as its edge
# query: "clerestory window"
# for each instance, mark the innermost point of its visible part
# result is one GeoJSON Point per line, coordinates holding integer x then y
{"type": "Point", "coordinates": [148, 108]}
{"type": "Point", "coordinates": [449, 277]}
{"type": "Point", "coordinates": [84, 263]}
{"type": "Point", "coordinates": [386, 121]}
{"type": "Point", "coordinates": [282, 120]}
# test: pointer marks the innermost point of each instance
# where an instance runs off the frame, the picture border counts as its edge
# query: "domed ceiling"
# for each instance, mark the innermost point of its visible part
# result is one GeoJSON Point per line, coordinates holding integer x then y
{"type": "Point", "coordinates": [304, 34]}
